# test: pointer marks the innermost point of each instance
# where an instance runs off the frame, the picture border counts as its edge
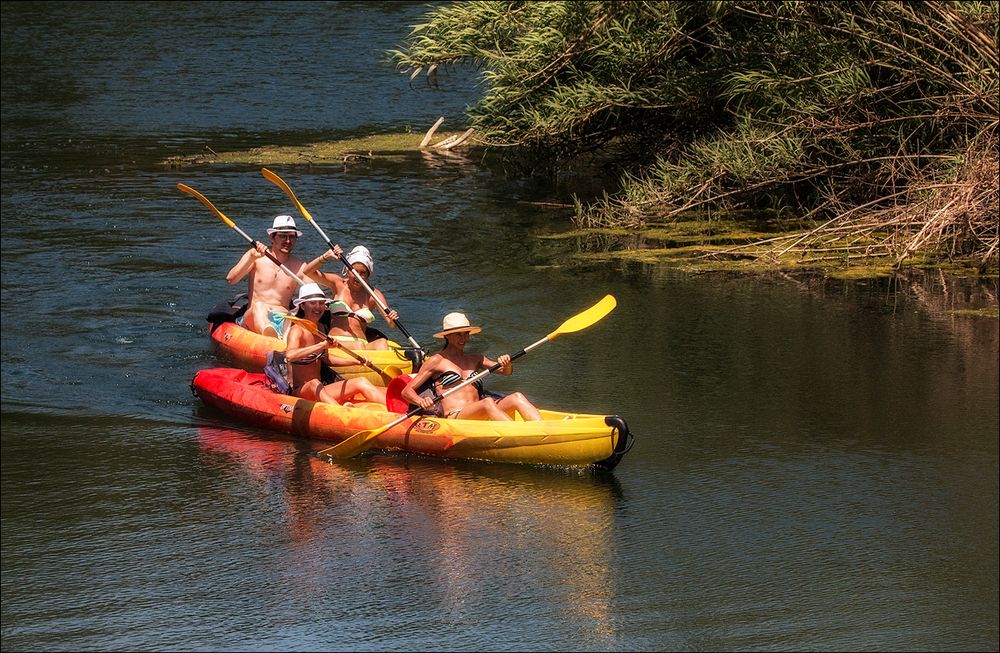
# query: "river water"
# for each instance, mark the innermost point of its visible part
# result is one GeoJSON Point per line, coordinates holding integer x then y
{"type": "Point", "coordinates": [816, 463]}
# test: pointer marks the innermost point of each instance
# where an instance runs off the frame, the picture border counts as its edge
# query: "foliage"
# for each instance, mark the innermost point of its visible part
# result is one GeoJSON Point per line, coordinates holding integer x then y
{"type": "Point", "coordinates": [837, 110]}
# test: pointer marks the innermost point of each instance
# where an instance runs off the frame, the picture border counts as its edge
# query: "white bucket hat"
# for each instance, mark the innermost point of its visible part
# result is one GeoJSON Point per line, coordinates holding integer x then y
{"type": "Point", "coordinates": [455, 323]}
{"type": "Point", "coordinates": [360, 254]}
{"type": "Point", "coordinates": [283, 224]}
{"type": "Point", "coordinates": [310, 292]}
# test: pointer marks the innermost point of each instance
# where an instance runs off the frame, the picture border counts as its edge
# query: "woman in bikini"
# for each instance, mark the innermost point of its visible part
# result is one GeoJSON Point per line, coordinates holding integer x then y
{"type": "Point", "coordinates": [356, 309]}
{"type": "Point", "coordinates": [305, 353]}
{"type": "Point", "coordinates": [452, 365]}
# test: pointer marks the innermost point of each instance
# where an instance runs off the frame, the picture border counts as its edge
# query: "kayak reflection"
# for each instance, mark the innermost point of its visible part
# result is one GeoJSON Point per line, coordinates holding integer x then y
{"type": "Point", "coordinates": [467, 533]}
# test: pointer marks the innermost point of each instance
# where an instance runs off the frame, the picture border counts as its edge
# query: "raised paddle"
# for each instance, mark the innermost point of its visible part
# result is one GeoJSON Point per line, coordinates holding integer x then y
{"type": "Point", "coordinates": [363, 440]}
{"type": "Point", "coordinates": [278, 181]}
{"type": "Point", "coordinates": [389, 373]}
{"type": "Point", "coordinates": [230, 223]}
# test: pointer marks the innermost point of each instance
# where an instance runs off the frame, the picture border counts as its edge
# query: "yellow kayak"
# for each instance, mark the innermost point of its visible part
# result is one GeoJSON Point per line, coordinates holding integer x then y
{"type": "Point", "coordinates": [250, 350]}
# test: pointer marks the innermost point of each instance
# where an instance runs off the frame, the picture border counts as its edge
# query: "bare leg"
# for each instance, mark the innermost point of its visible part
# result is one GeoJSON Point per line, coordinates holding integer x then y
{"type": "Point", "coordinates": [483, 409]}
{"type": "Point", "coordinates": [342, 391]}
{"type": "Point", "coordinates": [517, 401]}
{"type": "Point", "coordinates": [258, 319]}
{"type": "Point", "coordinates": [308, 390]}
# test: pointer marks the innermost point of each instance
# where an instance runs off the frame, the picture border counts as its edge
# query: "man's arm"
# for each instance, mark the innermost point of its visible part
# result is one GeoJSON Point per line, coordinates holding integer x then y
{"type": "Point", "coordinates": [245, 264]}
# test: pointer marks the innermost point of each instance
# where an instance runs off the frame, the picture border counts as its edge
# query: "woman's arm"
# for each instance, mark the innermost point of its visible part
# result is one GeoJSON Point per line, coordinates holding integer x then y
{"type": "Point", "coordinates": [297, 349]}
{"type": "Point", "coordinates": [391, 315]}
{"type": "Point", "coordinates": [312, 271]}
{"type": "Point", "coordinates": [506, 367]}
{"type": "Point", "coordinates": [409, 393]}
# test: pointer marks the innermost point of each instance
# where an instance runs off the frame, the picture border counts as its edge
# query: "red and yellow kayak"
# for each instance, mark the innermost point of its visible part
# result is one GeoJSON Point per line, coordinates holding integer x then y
{"type": "Point", "coordinates": [558, 439]}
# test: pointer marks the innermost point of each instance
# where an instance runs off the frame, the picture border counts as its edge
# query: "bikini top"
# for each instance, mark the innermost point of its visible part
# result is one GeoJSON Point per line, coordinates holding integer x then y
{"type": "Point", "coordinates": [365, 315]}
{"type": "Point", "coordinates": [307, 360]}
{"type": "Point", "coordinates": [451, 378]}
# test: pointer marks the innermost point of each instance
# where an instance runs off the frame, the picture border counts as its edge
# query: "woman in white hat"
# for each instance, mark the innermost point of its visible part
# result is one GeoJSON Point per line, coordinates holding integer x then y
{"type": "Point", "coordinates": [346, 288]}
{"type": "Point", "coordinates": [269, 288]}
{"type": "Point", "coordinates": [452, 365]}
{"type": "Point", "coordinates": [307, 351]}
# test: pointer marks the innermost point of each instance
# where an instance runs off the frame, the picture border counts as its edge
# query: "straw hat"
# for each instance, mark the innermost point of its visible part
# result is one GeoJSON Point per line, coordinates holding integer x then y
{"type": "Point", "coordinates": [456, 323]}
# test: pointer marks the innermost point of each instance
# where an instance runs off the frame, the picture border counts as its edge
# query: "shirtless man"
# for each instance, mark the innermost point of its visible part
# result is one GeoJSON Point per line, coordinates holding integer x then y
{"type": "Point", "coordinates": [351, 323]}
{"type": "Point", "coordinates": [306, 351]}
{"type": "Point", "coordinates": [451, 366]}
{"type": "Point", "coordinates": [270, 288]}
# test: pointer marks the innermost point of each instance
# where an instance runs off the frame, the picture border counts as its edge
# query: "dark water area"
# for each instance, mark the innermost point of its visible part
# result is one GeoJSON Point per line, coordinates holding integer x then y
{"type": "Point", "coordinates": [816, 462]}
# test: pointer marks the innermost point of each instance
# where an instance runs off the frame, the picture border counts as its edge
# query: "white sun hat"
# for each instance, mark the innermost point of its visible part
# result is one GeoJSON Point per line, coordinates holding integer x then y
{"type": "Point", "coordinates": [283, 224]}
{"type": "Point", "coordinates": [310, 292]}
{"type": "Point", "coordinates": [360, 254]}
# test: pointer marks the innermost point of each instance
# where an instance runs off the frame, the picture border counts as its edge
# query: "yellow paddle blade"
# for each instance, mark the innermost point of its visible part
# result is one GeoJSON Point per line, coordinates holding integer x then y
{"type": "Point", "coordinates": [306, 324]}
{"type": "Point", "coordinates": [204, 200]}
{"type": "Point", "coordinates": [275, 179]}
{"type": "Point", "coordinates": [586, 318]}
{"type": "Point", "coordinates": [352, 446]}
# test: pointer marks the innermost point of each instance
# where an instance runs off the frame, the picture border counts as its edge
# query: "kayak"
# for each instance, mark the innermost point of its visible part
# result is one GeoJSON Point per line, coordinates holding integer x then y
{"type": "Point", "coordinates": [558, 439]}
{"type": "Point", "coordinates": [250, 349]}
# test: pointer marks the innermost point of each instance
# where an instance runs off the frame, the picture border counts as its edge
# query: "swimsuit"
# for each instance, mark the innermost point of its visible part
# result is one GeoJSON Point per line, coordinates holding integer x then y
{"type": "Point", "coordinates": [451, 378]}
{"type": "Point", "coordinates": [365, 315]}
{"type": "Point", "coordinates": [444, 380]}
{"type": "Point", "coordinates": [310, 358]}
{"type": "Point", "coordinates": [347, 339]}
{"type": "Point", "coordinates": [276, 320]}
{"type": "Point", "coordinates": [331, 375]}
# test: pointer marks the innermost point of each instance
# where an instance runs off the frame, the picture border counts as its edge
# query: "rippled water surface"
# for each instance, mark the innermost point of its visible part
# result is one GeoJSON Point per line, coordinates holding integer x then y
{"type": "Point", "coordinates": [815, 465]}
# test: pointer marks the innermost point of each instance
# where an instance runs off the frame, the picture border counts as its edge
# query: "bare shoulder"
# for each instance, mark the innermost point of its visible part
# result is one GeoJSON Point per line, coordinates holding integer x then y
{"type": "Point", "coordinates": [294, 334]}
{"type": "Point", "coordinates": [434, 362]}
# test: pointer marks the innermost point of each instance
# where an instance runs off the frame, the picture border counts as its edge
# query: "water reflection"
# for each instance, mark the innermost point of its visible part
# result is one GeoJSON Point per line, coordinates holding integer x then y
{"type": "Point", "coordinates": [475, 530]}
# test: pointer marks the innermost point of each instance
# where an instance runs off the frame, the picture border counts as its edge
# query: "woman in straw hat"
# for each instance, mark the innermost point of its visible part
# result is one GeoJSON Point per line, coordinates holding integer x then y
{"type": "Point", "coordinates": [348, 290]}
{"type": "Point", "coordinates": [451, 366]}
{"type": "Point", "coordinates": [305, 353]}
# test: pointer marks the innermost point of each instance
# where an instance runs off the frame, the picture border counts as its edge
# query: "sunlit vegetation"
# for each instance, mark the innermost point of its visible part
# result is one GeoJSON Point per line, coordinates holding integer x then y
{"type": "Point", "coordinates": [873, 122]}
{"type": "Point", "coordinates": [326, 152]}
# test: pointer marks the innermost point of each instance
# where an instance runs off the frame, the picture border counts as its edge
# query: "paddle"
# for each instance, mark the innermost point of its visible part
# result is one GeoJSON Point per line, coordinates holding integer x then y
{"type": "Point", "coordinates": [204, 200]}
{"type": "Point", "coordinates": [389, 373]}
{"type": "Point", "coordinates": [270, 176]}
{"type": "Point", "coordinates": [361, 441]}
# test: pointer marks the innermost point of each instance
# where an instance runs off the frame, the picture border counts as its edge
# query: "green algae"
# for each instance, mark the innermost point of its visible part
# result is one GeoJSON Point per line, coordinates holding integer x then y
{"type": "Point", "coordinates": [321, 153]}
{"type": "Point", "coordinates": [989, 312]}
